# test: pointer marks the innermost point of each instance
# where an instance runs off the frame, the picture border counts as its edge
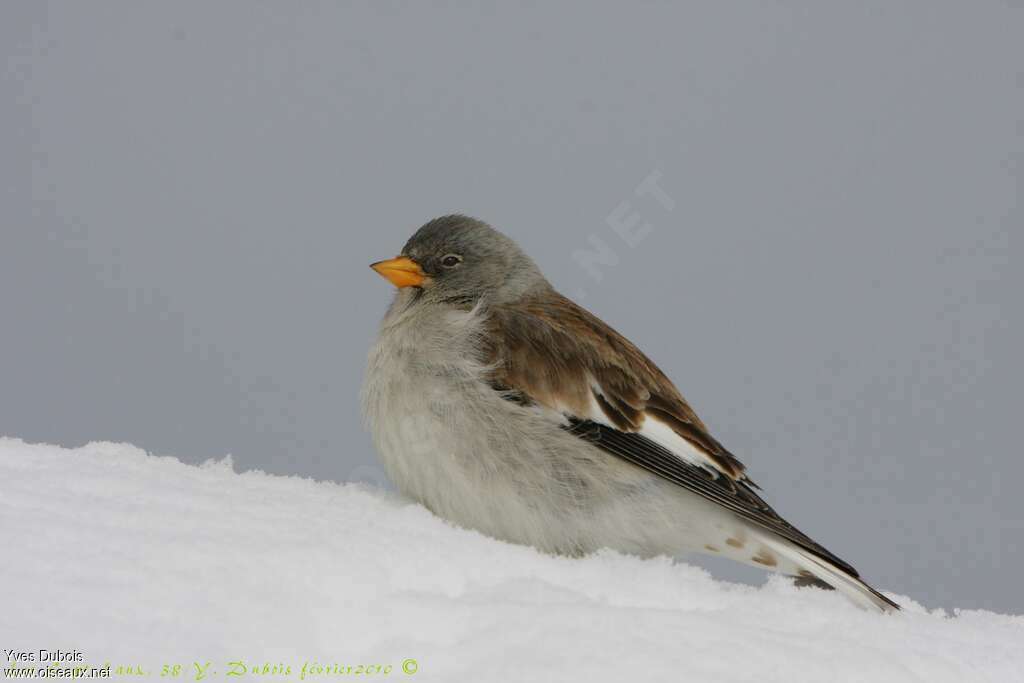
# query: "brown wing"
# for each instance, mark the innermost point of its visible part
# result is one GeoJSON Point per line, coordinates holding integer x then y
{"type": "Point", "coordinates": [567, 359]}
{"type": "Point", "coordinates": [556, 354]}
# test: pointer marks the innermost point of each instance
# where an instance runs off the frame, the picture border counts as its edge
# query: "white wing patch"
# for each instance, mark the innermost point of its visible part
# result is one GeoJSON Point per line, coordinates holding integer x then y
{"type": "Point", "coordinates": [661, 434]}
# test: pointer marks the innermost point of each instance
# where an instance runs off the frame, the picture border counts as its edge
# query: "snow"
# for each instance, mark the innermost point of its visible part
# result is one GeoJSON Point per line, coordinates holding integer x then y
{"type": "Point", "coordinates": [144, 561]}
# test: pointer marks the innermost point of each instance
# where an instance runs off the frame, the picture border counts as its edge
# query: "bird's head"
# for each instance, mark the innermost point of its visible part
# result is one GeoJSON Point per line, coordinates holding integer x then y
{"type": "Point", "coordinates": [459, 260]}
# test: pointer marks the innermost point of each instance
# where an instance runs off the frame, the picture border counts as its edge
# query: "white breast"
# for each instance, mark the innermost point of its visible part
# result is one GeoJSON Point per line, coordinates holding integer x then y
{"type": "Point", "coordinates": [442, 434]}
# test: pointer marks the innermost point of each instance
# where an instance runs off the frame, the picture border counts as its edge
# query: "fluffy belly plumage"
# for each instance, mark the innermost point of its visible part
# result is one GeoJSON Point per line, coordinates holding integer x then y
{"type": "Point", "coordinates": [490, 465]}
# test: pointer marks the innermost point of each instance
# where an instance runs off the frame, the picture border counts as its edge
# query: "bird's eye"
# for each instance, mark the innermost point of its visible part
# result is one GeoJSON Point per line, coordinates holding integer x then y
{"type": "Point", "coordinates": [451, 260]}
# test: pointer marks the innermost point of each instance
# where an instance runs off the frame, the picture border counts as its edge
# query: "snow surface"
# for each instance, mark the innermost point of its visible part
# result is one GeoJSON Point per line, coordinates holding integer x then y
{"type": "Point", "coordinates": [144, 561]}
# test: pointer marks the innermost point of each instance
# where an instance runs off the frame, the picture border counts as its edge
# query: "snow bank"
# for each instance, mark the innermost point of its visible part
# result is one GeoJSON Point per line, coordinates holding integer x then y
{"type": "Point", "coordinates": [142, 561]}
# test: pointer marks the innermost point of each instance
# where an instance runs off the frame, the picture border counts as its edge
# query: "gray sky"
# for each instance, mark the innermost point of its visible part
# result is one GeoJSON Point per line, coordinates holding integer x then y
{"type": "Point", "coordinates": [192, 191]}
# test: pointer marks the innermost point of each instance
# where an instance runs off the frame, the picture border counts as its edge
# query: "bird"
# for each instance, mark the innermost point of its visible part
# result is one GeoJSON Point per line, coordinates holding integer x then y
{"type": "Point", "coordinates": [503, 406]}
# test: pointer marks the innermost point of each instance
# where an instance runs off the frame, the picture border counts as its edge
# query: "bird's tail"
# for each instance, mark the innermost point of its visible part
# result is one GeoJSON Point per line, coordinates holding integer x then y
{"type": "Point", "coordinates": [848, 584]}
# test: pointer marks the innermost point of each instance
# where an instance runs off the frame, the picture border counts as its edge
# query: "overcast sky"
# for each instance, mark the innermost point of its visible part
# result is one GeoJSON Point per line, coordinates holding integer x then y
{"type": "Point", "coordinates": [192, 191]}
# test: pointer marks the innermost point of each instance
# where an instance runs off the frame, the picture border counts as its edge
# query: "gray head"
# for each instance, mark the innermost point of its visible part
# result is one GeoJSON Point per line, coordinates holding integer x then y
{"type": "Point", "coordinates": [459, 260]}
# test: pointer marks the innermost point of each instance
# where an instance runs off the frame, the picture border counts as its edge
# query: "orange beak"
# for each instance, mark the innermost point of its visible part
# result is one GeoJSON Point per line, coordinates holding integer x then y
{"type": "Point", "coordinates": [401, 271]}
